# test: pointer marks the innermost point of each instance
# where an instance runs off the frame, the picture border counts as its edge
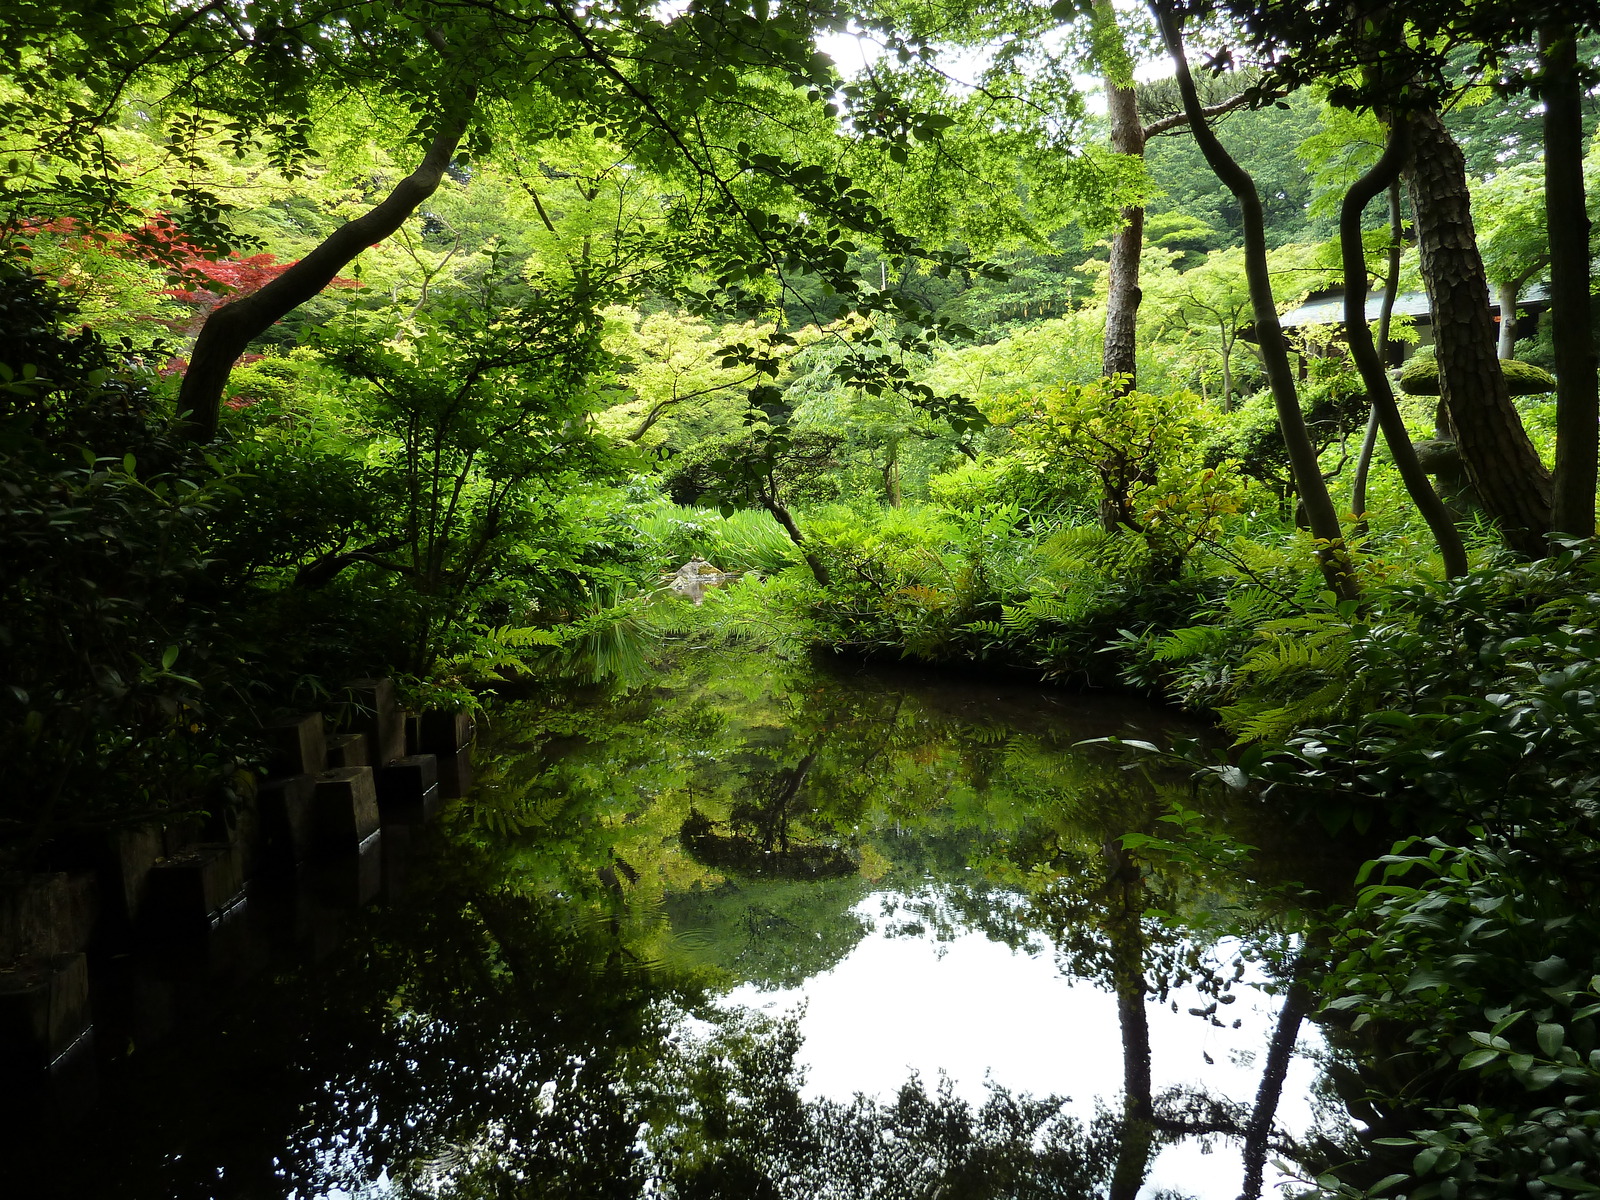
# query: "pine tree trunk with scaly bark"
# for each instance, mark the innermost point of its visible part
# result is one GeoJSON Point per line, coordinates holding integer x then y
{"type": "Point", "coordinates": [1501, 462]}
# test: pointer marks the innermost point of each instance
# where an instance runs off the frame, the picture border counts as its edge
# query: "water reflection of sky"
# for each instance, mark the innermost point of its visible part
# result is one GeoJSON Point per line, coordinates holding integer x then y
{"type": "Point", "coordinates": [975, 1010]}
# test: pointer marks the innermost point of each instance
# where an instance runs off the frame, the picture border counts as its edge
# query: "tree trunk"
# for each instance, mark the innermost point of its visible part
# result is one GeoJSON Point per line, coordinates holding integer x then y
{"type": "Point", "coordinates": [230, 329]}
{"type": "Point", "coordinates": [784, 517]}
{"type": "Point", "coordinates": [1505, 297]}
{"type": "Point", "coordinates": [1123, 294]}
{"type": "Point", "coordinates": [1501, 462]}
{"type": "Point", "coordinates": [1332, 554]}
{"type": "Point", "coordinates": [1296, 1004]}
{"type": "Point", "coordinates": [1359, 338]}
{"type": "Point", "coordinates": [1227, 371]}
{"type": "Point", "coordinates": [1567, 220]}
{"type": "Point", "coordinates": [1125, 932]}
{"type": "Point", "coordinates": [1391, 288]}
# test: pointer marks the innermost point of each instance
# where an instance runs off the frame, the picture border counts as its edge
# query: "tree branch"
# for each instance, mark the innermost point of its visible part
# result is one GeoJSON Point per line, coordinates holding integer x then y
{"type": "Point", "coordinates": [230, 329]}
{"type": "Point", "coordinates": [1179, 120]}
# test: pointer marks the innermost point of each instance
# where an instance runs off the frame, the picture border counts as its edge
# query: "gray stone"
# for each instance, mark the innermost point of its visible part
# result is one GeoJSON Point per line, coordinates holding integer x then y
{"type": "Point", "coordinates": [44, 1008]}
{"type": "Point", "coordinates": [347, 750]}
{"type": "Point", "coordinates": [295, 746]}
{"type": "Point", "coordinates": [344, 812]}
{"type": "Point", "coordinates": [286, 826]}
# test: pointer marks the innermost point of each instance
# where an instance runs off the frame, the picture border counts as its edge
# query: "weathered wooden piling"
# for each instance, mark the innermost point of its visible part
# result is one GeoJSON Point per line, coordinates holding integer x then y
{"type": "Point", "coordinates": [347, 750]}
{"type": "Point", "coordinates": [191, 889]}
{"type": "Point", "coordinates": [448, 736]}
{"type": "Point", "coordinates": [286, 826]}
{"type": "Point", "coordinates": [295, 746]}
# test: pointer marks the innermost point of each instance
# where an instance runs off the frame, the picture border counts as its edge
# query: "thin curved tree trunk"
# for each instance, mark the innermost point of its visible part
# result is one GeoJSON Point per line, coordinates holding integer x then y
{"type": "Point", "coordinates": [1391, 288]}
{"type": "Point", "coordinates": [231, 328]}
{"type": "Point", "coordinates": [1567, 222]}
{"type": "Point", "coordinates": [1359, 337]}
{"type": "Point", "coordinates": [1501, 463]}
{"type": "Point", "coordinates": [1333, 555]}
{"type": "Point", "coordinates": [784, 517]}
{"type": "Point", "coordinates": [1296, 1004]}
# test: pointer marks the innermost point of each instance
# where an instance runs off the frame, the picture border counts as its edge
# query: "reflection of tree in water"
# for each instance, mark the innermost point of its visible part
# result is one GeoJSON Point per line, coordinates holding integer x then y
{"type": "Point", "coordinates": [753, 1137]}
{"type": "Point", "coordinates": [471, 1042]}
{"type": "Point", "coordinates": [513, 1030]}
{"type": "Point", "coordinates": [773, 933]}
{"type": "Point", "coordinates": [763, 839]}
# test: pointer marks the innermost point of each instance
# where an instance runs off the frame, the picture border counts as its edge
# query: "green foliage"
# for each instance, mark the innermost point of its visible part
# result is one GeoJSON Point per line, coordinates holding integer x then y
{"type": "Point", "coordinates": [744, 540]}
{"type": "Point", "coordinates": [1142, 449]}
{"type": "Point", "coordinates": [753, 1135]}
{"type": "Point", "coordinates": [1475, 964]}
{"type": "Point", "coordinates": [475, 426]}
{"type": "Point", "coordinates": [125, 652]}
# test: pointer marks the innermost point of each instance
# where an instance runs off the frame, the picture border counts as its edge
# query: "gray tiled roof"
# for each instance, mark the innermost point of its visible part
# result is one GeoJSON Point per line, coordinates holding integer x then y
{"type": "Point", "coordinates": [1329, 310]}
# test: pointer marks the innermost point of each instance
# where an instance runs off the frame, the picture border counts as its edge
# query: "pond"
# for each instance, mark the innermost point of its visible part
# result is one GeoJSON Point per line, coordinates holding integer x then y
{"type": "Point", "coordinates": [748, 927]}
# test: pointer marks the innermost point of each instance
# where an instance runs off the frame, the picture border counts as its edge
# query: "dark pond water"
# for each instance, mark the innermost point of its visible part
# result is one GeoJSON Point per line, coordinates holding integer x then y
{"type": "Point", "coordinates": [750, 928]}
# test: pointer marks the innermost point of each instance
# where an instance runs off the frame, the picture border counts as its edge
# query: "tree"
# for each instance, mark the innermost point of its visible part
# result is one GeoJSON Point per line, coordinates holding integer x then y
{"type": "Point", "coordinates": [515, 73]}
{"type": "Point", "coordinates": [1368, 361]}
{"type": "Point", "coordinates": [1213, 301]}
{"type": "Point", "coordinates": [1577, 371]}
{"type": "Point", "coordinates": [1501, 462]}
{"type": "Point", "coordinates": [1332, 554]}
{"type": "Point", "coordinates": [1512, 238]}
{"type": "Point", "coordinates": [1399, 61]}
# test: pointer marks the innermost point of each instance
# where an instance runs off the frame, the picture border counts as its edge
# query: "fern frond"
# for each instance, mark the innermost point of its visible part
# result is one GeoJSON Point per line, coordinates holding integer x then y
{"type": "Point", "coordinates": [1254, 605]}
{"type": "Point", "coordinates": [1188, 643]}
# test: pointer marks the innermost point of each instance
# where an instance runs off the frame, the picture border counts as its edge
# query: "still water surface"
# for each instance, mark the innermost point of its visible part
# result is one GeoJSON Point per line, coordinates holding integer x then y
{"type": "Point", "coordinates": [744, 928]}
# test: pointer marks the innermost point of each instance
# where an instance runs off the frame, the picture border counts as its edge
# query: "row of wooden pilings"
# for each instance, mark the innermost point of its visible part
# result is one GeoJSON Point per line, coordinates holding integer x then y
{"type": "Point", "coordinates": [311, 835]}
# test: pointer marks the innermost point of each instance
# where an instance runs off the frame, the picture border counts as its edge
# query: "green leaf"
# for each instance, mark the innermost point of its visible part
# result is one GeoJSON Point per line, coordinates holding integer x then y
{"type": "Point", "coordinates": [1477, 1058]}
{"type": "Point", "coordinates": [1571, 1183]}
{"type": "Point", "coordinates": [168, 657]}
{"type": "Point", "coordinates": [1551, 1037]}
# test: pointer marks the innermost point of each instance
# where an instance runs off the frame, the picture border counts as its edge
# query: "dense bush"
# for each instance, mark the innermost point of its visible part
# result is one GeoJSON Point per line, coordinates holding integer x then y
{"type": "Point", "coordinates": [161, 598]}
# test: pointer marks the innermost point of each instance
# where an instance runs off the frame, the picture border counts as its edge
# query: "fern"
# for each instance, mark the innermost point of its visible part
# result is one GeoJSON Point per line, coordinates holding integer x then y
{"type": "Point", "coordinates": [521, 637]}
{"type": "Point", "coordinates": [1255, 605]}
{"type": "Point", "coordinates": [1183, 644]}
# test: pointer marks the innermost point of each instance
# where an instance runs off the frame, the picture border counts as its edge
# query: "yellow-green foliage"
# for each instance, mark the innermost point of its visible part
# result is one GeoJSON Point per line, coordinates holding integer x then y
{"type": "Point", "coordinates": [1143, 449]}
